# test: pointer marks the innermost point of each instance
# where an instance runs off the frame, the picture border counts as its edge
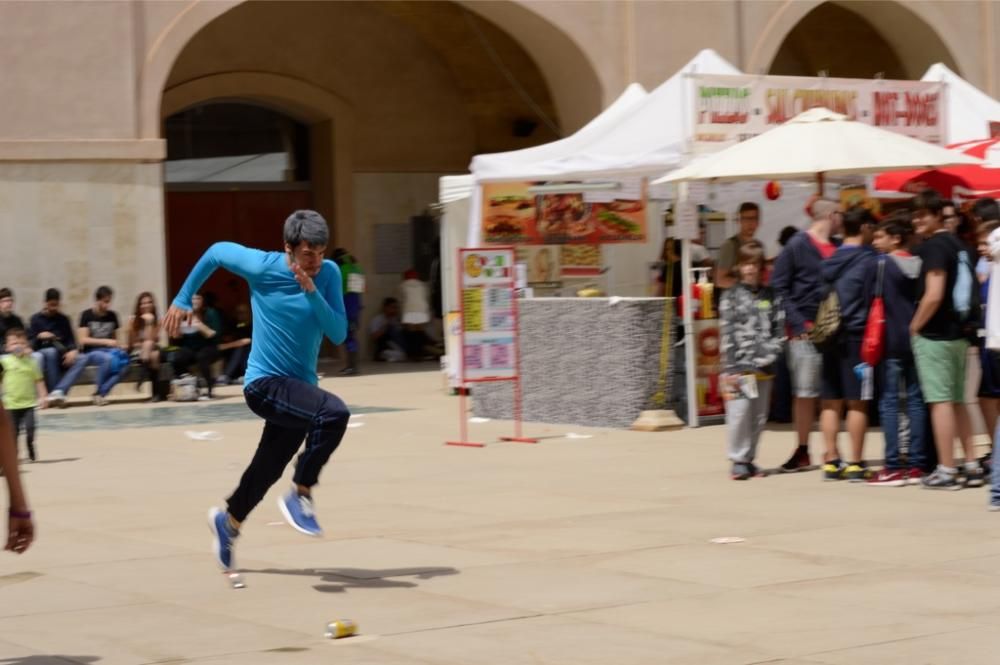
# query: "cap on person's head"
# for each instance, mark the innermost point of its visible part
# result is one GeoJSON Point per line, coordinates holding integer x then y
{"type": "Point", "coordinates": [411, 274]}
{"type": "Point", "coordinates": [306, 226]}
{"type": "Point", "coordinates": [823, 208]}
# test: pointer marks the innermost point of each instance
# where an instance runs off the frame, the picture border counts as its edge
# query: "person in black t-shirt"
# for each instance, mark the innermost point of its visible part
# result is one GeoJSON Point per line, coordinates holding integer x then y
{"type": "Point", "coordinates": [938, 341]}
{"type": "Point", "coordinates": [8, 319]}
{"type": "Point", "coordinates": [236, 350]}
{"type": "Point", "coordinates": [98, 334]}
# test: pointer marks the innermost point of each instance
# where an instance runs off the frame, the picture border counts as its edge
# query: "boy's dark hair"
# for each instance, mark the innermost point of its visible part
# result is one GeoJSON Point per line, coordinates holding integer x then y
{"type": "Point", "coordinates": [389, 301]}
{"type": "Point", "coordinates": [17, 331]}
{"type": "Point", "coordinates": [929, 200]}
{"type": "Point", "coordinates": [855, 218]}
{"type": "Point", "coordinates": [786, 235]}
{"type": "Point", "coordinates": [747, 206]}
{"type": "Point", "coordinates": [897, 225]}
{"type": "Point", "coordinates": [52, 294]}
{"type": "Point", "coordinates": [987, 228]}
{"type": "Point", "coordinates": [103, 292]}
{"type": "Point", "coordinates": [750, 252]}
{"type": "Point", "coordinates": [6, 293]}
{"type": "Point", "coordinates": [986, 209]}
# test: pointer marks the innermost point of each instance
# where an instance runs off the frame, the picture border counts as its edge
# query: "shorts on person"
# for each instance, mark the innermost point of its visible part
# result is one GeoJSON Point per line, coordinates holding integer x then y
{"type": "Point", "coordinates": [805, 363]}
{"type": "Point", "coordinates": [941, 368]}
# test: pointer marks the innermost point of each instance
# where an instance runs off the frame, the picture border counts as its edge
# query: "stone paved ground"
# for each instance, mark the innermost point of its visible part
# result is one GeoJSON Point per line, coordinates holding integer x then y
{"type": "Point", "coordinates": [575, 551]}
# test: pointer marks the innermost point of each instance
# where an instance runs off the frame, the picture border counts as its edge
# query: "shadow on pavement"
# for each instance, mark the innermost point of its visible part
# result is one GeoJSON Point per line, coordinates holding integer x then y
{"type": "Point", "coordinates": [338, 580]}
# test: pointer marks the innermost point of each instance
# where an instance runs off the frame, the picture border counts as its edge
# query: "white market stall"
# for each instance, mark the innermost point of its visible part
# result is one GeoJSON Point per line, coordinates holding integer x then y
{"type": "Point", "coordinates": [815, 144]}
{"type": "Point", "coordinates": [674, 125]}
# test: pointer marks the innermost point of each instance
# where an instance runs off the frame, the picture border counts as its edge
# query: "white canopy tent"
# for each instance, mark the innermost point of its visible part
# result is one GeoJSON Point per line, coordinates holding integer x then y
{"type": "Point", "coordinates": [969, 111]}
{"type": "Point", "coordinates": [522, 164]}
{"type": "Point", "coordinates": [638, 135]}
{"type": "Point", "coordinates": [650, 139]}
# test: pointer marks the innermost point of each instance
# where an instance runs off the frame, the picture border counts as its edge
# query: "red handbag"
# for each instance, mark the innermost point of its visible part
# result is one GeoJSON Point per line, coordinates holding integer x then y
{"type": "Point", "coordinates": [873, 341]}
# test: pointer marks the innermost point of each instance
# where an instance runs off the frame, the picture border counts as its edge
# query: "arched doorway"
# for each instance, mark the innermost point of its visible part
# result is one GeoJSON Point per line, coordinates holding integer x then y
{"type": "Point", "coordinates": [421, 89]}
{"type": "Point", "coordinates": [860, 40]}
{"type": "Point", "coordinates": [233, 168]}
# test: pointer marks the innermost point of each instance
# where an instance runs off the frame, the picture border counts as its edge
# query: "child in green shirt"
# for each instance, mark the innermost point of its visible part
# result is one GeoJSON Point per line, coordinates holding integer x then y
{"type": "Point", "coordinates": [23, 386]}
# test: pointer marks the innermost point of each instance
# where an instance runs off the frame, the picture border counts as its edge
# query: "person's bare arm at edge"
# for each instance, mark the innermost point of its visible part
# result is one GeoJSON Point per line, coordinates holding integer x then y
{"type": "Point", "coordinates": [20, 528]}
{"type": "Point", "coordinates": [931, 302]}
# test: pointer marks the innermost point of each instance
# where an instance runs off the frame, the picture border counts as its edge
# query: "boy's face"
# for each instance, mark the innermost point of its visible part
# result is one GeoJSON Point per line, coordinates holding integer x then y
{"type": "Point", "coordinates": [883, 242]}
{"type": "Point", "coordinates": [925, 222]}
{"type": "Point", "coordinates": [16, 343]}
{"type": "Point", "coordinates": [6, 306]}
{"type": "Point", "coordinates": [103, 305]}
{"type": "Point", "coordinates": [750, 272]}
{"type": "Point", "coordinates": [984, 247]}
{"type": "Point", "coordinates": [309, 257]}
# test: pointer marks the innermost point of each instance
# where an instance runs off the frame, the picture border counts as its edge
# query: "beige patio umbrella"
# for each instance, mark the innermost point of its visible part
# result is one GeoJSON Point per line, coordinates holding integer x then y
{"type": "Point", "coordinates": [816, 144]}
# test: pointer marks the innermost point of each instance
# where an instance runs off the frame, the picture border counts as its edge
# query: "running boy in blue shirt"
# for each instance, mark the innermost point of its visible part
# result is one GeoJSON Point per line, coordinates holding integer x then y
{"type": "Point", "coordinates": [297, 299]}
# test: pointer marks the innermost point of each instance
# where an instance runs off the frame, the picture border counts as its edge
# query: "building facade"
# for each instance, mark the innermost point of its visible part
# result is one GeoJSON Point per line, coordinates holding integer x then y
{"type": "Point", "coordinates": [134, 133]}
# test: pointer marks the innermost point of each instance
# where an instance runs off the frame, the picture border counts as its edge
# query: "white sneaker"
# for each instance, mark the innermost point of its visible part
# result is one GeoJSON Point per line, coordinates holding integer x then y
{"type": "Point", "coordinates": [57, 398]}
{"type": "Point", "coordinates": [100, 401]}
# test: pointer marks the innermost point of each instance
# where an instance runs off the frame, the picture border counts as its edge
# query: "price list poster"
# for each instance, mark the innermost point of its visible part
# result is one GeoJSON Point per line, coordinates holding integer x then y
{"type": "Point", "coordinates": [489, 319]}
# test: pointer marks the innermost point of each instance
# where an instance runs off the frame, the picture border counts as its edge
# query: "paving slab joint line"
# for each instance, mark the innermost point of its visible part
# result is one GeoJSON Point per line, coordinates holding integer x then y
{"type": "Point", "coordinates": [892, 641]}
{"type": "Point", "coordinates": [465, 625]}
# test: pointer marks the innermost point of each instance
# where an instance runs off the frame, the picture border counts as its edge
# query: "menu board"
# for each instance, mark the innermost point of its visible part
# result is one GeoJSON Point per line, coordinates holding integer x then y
{"type": "Point", "coordinates": [489, 322]}
{"type": "Point", "coordinates": [512, 215]}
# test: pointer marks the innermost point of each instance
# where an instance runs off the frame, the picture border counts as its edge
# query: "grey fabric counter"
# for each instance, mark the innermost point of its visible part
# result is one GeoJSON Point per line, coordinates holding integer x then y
{"type": "Point", "coordinates": [584, 361]}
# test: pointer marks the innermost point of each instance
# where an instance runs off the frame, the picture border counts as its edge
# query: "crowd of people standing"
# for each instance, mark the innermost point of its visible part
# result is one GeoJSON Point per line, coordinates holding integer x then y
{"type": "Point", "coordinates": [894, 312]}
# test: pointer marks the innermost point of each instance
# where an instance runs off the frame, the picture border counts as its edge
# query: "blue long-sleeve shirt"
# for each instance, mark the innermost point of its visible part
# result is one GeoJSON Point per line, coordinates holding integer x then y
{"type": "Point", "coordinates": [289, 324]}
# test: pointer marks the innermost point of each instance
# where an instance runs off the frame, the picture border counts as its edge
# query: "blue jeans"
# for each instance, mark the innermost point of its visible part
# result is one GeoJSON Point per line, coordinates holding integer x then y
{"type": "Point", "coordinates": [894, 370]}
{"type": "Point", "coordinates": [106, 379]}
{"type": "Point", "coordinates": [51, 363]}
{"type": "Point", "coordinates": [293, 410]}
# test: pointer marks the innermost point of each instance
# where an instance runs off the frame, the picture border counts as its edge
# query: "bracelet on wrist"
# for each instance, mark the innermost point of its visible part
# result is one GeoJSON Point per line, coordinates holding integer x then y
{"type": "Point", "coordinates": [19, 514]}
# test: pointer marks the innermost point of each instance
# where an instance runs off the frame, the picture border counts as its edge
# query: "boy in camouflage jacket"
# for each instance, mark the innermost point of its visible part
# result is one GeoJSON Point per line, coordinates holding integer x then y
{"type": "Point", "coordinates": [753, 332]}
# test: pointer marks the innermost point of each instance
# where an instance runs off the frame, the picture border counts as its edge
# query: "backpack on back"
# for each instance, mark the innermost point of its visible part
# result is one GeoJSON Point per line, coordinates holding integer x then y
{"type": "Point", "coordinates": [965, 300]}
{"type": "Point", "coordinates": [826, 328]}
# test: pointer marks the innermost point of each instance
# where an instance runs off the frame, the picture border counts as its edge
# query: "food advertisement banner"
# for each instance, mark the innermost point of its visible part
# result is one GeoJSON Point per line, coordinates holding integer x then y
{"type": "Point", "coordinates": [733, 108]}
{"type": "Point", "coordinates": [488, 319]}
{"type": "Point", "coordinates": [512, 215]}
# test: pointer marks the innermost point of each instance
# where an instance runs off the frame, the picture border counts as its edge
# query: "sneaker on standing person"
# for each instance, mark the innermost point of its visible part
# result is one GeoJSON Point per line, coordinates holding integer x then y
{"type": "Point", "coordinates": [796, 281]}
{"type": "Point", "coordinates": [898, 368]}
{"type": "Point", "coordinates": [752, 329]}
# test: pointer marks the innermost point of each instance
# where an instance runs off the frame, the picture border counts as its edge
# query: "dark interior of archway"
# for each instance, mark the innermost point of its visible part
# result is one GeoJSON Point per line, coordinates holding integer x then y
{"type": "Point", "coordinates": [246, 131]}
{"type": "Point", "coordinates": [834, 39]}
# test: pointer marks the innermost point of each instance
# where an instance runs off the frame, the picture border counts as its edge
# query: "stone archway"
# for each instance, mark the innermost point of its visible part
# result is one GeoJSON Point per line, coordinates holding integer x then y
{"type": "Point", "coordinates": [571, 75]}
{"type": "Point", "coordinates": [915, 32]}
